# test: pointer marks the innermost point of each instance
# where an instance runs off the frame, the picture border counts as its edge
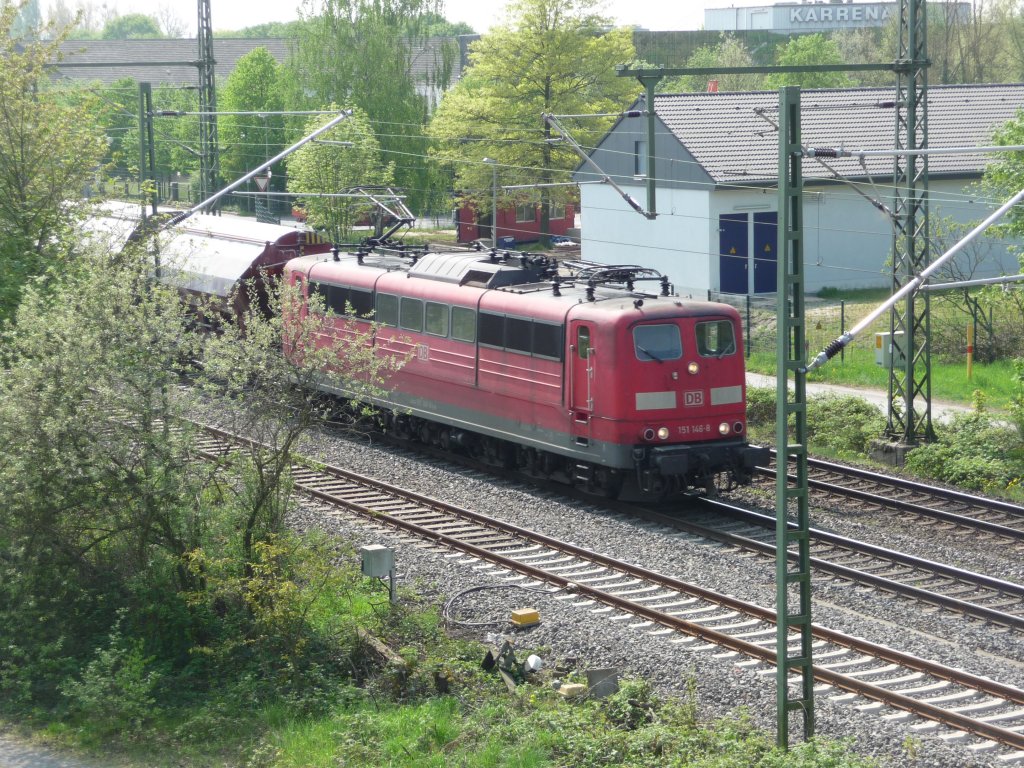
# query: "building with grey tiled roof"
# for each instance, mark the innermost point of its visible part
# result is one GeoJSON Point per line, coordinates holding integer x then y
{"type": "Point", "coordinates": [716, 168]}
{"type": "Point", "coordinates": [166, 61]}
{"type": "Point", "coordinates": [163, 61]}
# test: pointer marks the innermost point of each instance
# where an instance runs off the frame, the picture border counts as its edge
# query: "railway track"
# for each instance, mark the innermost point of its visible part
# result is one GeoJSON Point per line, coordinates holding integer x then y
{"type": "Point", "coordinates": [929, 504]}
{"type": "Point", "coordinates": [845, 666]}
{"type": "Point", "coordinates": [959, 591]}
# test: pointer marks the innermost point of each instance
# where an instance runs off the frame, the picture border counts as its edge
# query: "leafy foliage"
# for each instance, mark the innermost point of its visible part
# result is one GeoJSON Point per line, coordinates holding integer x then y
{"type": "Point", "coordinates": [731, 51]}
{"type": "Point", "coordinates": [839, 425]}
{"type": "Point", "coordinates": [1005, 174]}
{"type": "Point", "coordinates": [809, 51]}
{"type": "Point", "coordinates": [552, 56]}
{"type": "Point", "coordinates": [131, 26]}
{"type": "Point", "coordinates": [353, 159]}
{"type": "Point", "coordinates": [48, 151]}
{"type": "Point", "coordinates": [249, 140]}
{"type": "Point", "coordinates": [371, 54]}
{"type": "Point", "coordinates": [116, 689]}
{"type": "Point", "coordinates": [974, 451]}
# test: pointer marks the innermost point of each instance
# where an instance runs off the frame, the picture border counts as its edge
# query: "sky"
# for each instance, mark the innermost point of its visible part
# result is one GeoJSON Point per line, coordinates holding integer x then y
{"type": "Point", "coordinates": [479, 14]}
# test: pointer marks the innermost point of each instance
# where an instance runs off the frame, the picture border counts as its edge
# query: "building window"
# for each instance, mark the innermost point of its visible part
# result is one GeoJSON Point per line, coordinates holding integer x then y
{"type": "Point", "coordinates": [639, 158]}
{"type": "Point", "coordinates": [526, 213]}
{"type": "Point", "coordinates": [556, 211]}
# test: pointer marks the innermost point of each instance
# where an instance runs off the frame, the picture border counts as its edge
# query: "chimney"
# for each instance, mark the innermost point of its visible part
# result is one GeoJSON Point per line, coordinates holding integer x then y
{"type": "Point", "coordinates": [712, 86]}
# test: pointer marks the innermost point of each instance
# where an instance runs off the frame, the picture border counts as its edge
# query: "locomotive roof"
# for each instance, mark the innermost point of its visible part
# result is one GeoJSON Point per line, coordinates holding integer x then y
{"type": "Point", "coordinates": [518, 283]}
{"type": "Point", "coordinates": [474, 268]}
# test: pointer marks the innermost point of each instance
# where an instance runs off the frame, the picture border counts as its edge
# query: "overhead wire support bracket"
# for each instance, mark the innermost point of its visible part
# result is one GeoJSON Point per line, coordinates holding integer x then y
{"type": "Point", "coordinates": [552, 120]}
{"type": "Point", "coordinates": [240, 181]}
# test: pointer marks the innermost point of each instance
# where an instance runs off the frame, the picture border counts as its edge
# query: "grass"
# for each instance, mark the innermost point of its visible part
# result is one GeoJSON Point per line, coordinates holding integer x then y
{"type": "Point", "coordinates": [856, 365]}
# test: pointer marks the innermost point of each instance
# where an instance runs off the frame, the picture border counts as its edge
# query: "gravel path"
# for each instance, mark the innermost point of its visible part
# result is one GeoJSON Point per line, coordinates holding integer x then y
{"type": "Point", "coordinates": [17, 753]}
{"type": "Point", "coordinates": [585, 636]}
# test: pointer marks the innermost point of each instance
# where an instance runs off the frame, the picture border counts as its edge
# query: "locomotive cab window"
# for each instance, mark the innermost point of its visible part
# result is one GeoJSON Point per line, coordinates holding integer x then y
{"type": "Point", "coordinates": [716, 338]}
{"type": "Point", "coordinates": [657, 342]}
{"type": "Point", "coordinates": [583, 343]}
{"type": "Point", "coordinates": [387, 309]}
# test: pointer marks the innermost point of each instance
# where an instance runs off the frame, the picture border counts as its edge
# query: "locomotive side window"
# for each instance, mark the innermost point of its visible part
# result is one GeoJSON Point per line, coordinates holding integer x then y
{"type": "Point", "coordinates": [336, 297]}
{"type": "Point", "coordinates": [387, 309]}
{"type": "Point", "coordinates": [437, 318]}
{"type": "Point", "coordinates": [361, 302]}
{"type": "Point", "coordinates": [319, 290]}
{"type": "Point", "coordinates": [518, 335]}
{"type": "Point", "coordinates": [412, 314]}
{"type": "Point", "coordinates": [583, 343]}
{"type": "Point", "coordinates": [657, 342]}
{"type": "Point", "coordinates": [547, 340]}
{"type": "Point", "coordinates": [492, 330]}
{"type": "Point", "coordinates": [715, 339]}
{"type": "Point", "coordinates": [463, 324]}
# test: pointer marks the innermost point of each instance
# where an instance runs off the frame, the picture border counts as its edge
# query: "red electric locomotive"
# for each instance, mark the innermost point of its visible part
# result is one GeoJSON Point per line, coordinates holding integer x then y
{"type": "Point", "coordinates": [565, 369]}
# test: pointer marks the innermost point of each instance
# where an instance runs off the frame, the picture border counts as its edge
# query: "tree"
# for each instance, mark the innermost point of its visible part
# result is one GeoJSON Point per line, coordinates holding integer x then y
{"type": "Point", "coordinates": [809, 51]}
{"type": "Point", "coordinates": [372, 54]}
{"type": "Point", "coordinates": [869, 46]}
{"type": "Point", "coordinates": [1004, 175]}
{"type": "Point", "coordinates": [552, 56]}
{"type": "Point", "coordinates": [730, 52]}
{"type": "Point", "coordinates": [48, 151]}
{"type": "Point", "coordinates": [249, 140]}
{"type": "Point", "coordinates": [106, 508]}
{"type": "Point", "coordinates": [29, 21]}
{"type": "Point", "coordinates": [170, 22]}
{"type": "Point", "coordinates": [346, 156]}
{"type": "Point", "coordinates": [130, 27]}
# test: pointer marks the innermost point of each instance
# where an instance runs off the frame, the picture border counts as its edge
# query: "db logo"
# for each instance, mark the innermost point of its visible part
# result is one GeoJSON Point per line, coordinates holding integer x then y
{"type": "Point", "coordinates": [422, 351]}
{"type": "Point", "coordinates": [691, 399]}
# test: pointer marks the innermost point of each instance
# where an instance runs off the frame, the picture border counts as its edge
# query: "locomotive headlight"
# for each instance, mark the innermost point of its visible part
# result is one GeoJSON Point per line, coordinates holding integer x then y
{"type": "Point", "coordinates": [663, 433]}
{"type": "Point", "coordinates": [723, 428]}
{"type": "Point", "coordinates": [693, 368]}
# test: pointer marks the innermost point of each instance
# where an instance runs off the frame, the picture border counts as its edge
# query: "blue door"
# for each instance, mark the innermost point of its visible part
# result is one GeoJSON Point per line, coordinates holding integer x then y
{"type": "Point", "coordinates": [732, 250]}
{"type": "Point", "coordinates": [766, 227]}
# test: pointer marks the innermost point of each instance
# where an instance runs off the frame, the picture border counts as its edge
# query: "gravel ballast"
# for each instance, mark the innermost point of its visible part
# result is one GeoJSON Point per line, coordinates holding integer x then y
{"type": "Point", "coordinates": [575, 633]}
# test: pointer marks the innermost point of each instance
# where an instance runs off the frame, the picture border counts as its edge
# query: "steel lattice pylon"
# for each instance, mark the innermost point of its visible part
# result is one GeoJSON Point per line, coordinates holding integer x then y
{"type": "Point", "coordinates": [209, 171]}
{"type": "Point", "coordinates": [910, 411]}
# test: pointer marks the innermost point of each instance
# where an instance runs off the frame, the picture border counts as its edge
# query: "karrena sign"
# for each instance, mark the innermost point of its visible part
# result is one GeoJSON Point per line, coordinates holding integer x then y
{"type": "Point", "coordinates": [816, 14]}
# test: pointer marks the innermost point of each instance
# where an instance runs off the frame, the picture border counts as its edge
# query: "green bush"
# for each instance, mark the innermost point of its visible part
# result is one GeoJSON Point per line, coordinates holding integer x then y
{"type": "Point", "coordinates": [843, 425]}
{"type": "Point", "coordinates": [839, 425]}
{"type": "Point", "coordinates": [973, 451]}
{"type": "Point", "coordinates": [115, 691]}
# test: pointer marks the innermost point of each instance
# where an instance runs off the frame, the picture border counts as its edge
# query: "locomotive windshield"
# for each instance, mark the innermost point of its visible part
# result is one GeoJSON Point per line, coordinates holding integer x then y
{"type": "Point", "coordinates": [657, 342]}
{"type": "Point", "coordinates": [716, 338]}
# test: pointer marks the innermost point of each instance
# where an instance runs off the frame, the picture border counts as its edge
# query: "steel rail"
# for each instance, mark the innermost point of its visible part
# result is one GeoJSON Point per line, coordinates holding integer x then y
{"type": "Point", "coordinates": [953, 518]}
{"type": "Point", "coordinates": [919, 565]}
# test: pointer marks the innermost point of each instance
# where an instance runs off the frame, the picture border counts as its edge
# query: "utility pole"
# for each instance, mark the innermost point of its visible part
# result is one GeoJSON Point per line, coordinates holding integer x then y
{"type": "Point", "coordinates": [147, 153]}
{"type": "Point", "coordinates": [910, 390]}
{"type": "Point", "coordinates": [494, 200]}
{"type": "Point", "coordinates": [791, 531]}
{"type": "Point", "coordinates": [209, 160]}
